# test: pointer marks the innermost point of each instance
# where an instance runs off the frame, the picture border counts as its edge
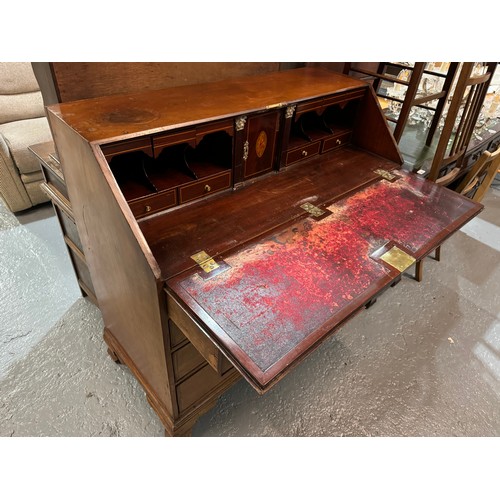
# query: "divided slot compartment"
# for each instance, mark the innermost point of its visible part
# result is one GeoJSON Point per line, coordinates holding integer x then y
{"type": "Point", "coordinates": [159, 172]}
{"type": "Point", "coordinates": [329, 121]}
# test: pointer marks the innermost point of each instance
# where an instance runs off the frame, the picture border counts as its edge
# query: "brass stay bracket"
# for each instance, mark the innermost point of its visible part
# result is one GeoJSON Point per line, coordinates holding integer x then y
{"type": "Point", "coordinates": [398, 258]}
{"type": "Point", "coordinates": [385, 174]}
{"type": "Point", "coordinates": [314, 211]}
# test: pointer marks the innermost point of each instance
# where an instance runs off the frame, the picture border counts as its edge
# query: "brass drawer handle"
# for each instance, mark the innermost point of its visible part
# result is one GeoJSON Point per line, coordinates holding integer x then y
{"type": "Point", "coordinates": [304, 153]}
{"type": "Point", "coordinates": [207, 188]}
{"type": "Point", "coordinates": [338, 141]}
{"type": "Point", "coordinates": [147, 208]}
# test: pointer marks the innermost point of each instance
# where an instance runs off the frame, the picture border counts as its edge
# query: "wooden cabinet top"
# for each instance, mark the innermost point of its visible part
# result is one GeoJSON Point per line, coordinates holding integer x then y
{"type": "Point", "coordinates": [103, 119]}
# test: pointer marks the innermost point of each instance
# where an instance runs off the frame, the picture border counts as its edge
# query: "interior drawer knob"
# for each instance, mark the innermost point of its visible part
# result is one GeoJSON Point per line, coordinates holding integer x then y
{"type": "Point", "coordinates": [304, 153]}
{"type": "Point", "coordinates": [148, 208]}
{"type": "Point", "coordinates": [207, 188]}
{"type": "Point", "coordinates": [338, 141]}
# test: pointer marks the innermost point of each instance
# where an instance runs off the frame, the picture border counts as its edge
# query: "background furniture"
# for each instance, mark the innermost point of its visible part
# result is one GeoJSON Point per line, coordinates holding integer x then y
{"type": "Point", "coordinates": [22, 123]}
{"type": "Point", "coordinates": [478, 179]}
{"type": "Point", "coordinates": [54, 186]}
{"type": "Point", "coordinates": [461, 117]}
{"type": "Point", "coordinates": [414, 94]}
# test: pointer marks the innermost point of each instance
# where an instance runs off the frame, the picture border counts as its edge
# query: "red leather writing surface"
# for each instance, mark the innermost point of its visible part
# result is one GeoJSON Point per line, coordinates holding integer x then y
{"type": "Point", "coordinates": [285, 292]}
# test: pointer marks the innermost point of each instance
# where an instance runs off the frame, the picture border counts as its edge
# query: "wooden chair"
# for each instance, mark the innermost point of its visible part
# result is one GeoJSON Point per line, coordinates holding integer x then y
{"type": "Point", "coordinates": [411, 99]}
{"type": "Point", "coordinates": [479, 178]}
{"type": "Point", "coordinates": [461, 118]}
{"type": "Point", "coordinates": [474, 185]}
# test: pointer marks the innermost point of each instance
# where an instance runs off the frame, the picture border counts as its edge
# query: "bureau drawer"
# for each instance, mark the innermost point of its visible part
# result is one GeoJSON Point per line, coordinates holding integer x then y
{"type": "Point", "coordinates": [336, 142]}
{"type": "Point", "coordinates": [176, 336]}
{"type": "Point", "coordinates": [55, 180]}
{"type": "Point", "coordinates": [153, 203]}
{"type": "Point", "coordinates": [302, 153]}
{"type": "Point", "coordinates": [69, 228]}
{"type": "Point", "coordinates": [204, 187]}
{"type": "Point", "coordinates": [80, 265]}
{"type": "Point", "coordinates": [196, 387]}
{"type": "Point", "coordinates": [198, 337]}
{"type": "Point", "coordinates": [185, 360]}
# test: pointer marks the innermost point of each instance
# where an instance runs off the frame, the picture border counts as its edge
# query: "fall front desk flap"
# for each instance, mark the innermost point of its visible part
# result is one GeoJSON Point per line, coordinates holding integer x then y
{"type": "Point", "coordinates": [268, 304]}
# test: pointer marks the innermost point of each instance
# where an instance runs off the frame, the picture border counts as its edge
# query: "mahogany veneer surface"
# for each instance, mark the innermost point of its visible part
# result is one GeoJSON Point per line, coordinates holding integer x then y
{"type": "Point", "coordinates": [102, 118]}
{"type": "Point", "coordinates": [83, 80]}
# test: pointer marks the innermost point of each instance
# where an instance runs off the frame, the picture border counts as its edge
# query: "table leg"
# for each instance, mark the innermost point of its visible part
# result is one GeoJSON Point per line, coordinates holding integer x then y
{"type": "Point", "coordinates": [419, 270]}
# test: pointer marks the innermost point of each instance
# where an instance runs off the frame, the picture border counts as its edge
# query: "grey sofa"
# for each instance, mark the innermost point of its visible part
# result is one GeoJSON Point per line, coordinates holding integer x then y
{"type": "Point", "coordinates": [22, 124]}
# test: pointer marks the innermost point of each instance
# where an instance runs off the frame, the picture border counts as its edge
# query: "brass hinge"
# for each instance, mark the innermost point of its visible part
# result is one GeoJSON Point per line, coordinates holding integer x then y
{"type": "Point", "coordinates": [208, 266]}
{"type": "Point", "coordinates": [245, 151]}
{"type": "Point", "coordinates": [205, 261]}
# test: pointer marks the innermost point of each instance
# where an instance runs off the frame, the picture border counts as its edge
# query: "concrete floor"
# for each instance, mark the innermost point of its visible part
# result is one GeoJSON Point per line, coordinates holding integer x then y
{"type": "Point", "coordinates": [423, 361]}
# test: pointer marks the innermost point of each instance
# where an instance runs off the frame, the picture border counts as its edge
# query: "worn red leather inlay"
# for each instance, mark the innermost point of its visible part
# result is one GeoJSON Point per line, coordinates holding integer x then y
{"type": "Point", "coordinates": [283, 288]}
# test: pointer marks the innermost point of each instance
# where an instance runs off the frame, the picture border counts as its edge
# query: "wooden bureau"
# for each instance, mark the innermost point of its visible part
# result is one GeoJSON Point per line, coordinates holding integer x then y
{"type": "Point", "coordinates": [230, 227]}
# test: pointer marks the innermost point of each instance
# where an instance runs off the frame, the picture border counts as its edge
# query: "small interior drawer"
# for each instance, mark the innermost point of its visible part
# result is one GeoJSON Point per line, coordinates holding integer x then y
{"type": "Point", "coordinates": [316, 105]}
{"type": "Point", "coordinates": [169, 139]}
{"type": "Point", "coordinates": [302, 153]}
{"type": "Point", "coordinates": [337, 99]}
{"type": "Point", "coordinates": [205, 186]}
{"type": "Point", "coordinates": [153, 203]}
{"type": "Point", "coordinates": [128, 146]}
{"type": "Point", "coordinates": [220, 126]}
{"type": "Point", "coordinates": [336, 142]}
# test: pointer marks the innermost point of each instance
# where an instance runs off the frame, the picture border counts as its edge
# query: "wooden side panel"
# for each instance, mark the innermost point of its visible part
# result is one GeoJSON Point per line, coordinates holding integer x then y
{"type": "Point", "coordinates": [81, 80]}
{"type": "Point", "coordinates": [372, 132]}
{"type": "Point", "coordinates": [45, 79]}
{"type": "Point", "coordinates": [124, 274]}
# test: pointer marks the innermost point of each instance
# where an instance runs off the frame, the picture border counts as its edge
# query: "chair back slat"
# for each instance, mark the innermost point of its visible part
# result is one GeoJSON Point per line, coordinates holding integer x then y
{"type": "Point", "coordinates": [461, 119]}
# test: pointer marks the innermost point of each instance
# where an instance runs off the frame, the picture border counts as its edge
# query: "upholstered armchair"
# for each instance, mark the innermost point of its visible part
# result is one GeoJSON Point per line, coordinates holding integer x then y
{"type": "Point", "coordinates": [22, 124]}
